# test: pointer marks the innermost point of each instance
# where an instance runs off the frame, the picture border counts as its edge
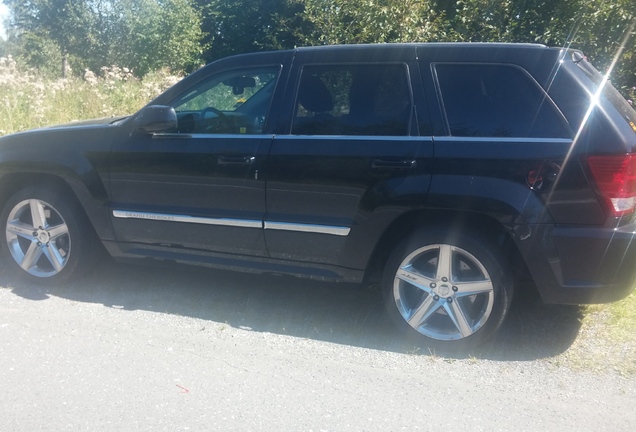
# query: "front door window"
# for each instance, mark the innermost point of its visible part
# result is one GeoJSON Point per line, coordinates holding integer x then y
{"type": "Point", "coordinates": [235, 102]}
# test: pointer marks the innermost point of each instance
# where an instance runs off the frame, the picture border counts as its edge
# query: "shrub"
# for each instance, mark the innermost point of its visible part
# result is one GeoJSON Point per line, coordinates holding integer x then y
{"type": "Point", "coordinates": [29, 100]}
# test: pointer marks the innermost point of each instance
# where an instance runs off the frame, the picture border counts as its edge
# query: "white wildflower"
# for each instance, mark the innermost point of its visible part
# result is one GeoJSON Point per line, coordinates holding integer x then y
{"type": "Point", "coordinates": [90, 77]}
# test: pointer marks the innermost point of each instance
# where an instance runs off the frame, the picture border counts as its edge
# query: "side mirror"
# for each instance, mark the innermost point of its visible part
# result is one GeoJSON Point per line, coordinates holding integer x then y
{"type": "Point", "coordinates": [156, 119]}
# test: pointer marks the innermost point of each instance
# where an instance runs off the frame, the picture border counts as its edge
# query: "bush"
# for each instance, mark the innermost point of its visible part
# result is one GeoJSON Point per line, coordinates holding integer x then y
{"type": "Point", "coordinates": [29, 100]}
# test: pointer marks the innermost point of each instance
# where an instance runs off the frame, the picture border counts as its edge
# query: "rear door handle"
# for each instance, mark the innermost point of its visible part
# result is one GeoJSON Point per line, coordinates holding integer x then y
{"type": "Point", "coordinates": [391, 164]}
{"type": "Point", "coordinates": [240, 160]}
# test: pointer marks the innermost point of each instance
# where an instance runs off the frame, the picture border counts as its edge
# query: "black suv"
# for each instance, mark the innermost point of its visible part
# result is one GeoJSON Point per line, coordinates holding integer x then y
{"type": "Point", "coordinates": [444, 171]}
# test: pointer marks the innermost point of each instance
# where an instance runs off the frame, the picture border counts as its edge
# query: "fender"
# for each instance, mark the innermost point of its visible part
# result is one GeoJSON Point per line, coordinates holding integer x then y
{"type": "Point", "coordinates": [493, 176]}
{"type": "Point", "coordinates": [72, 154]}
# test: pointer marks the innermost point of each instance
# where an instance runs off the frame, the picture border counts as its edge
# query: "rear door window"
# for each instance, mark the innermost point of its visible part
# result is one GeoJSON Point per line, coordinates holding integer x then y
{"type": "Point", "coordinates": [483, 100]}
{"type": "Point", "coordinates": [353, 100]}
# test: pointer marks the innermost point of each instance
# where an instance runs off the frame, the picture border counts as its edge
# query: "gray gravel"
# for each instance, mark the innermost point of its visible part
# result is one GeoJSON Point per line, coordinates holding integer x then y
{"type": "Point", "coordinates": [147, 349]}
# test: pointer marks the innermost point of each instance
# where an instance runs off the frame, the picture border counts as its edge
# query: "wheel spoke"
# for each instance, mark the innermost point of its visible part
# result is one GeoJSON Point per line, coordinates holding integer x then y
{"type": "Point", "coordinates": [31, 257]}
{"type": "Point", "coordinates": [57, 231]}
{"type": "Point", "coordinates": [456, 314]}
{"type": "Point", "coordinates": [459, 292]}
{"type": "Point", "coordinates": [412, 277]}
{"type": "Point", "coordinates": [37, 213]}
{"type": "Point", "coordinates": [445, 262]}
{"type": "Point", "coordinates": [20, 229]}
{"type": "Point", "coordinates": [428, 307]}
{"type": "Point", "coordinates": [471, 288]}
{"type": "Point", "coordinates": [53, 255]}
{"type": "Point", "coordinates": [40, 249]}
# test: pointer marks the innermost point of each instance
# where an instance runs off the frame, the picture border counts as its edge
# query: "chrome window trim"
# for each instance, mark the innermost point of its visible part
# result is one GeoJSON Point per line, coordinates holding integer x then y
{"type": "Point", "coordinates": [225, 136]}
{"type": "Point", "coordinates": [502, 139]}
{"type": "Point", "coordinates": [353, 137]}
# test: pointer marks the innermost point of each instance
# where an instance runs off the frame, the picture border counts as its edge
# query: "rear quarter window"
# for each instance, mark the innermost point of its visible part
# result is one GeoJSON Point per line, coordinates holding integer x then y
{"type": "Point", "coordinates": [484, 100]}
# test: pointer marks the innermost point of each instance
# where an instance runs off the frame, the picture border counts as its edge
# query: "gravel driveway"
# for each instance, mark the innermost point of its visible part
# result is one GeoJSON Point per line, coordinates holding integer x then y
{"type": "Point", "coordinates": [151, 349]}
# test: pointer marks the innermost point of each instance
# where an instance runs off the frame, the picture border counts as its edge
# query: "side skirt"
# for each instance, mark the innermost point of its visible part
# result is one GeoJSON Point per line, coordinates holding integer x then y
{"type": "Point", "coordinates": [142, 253]}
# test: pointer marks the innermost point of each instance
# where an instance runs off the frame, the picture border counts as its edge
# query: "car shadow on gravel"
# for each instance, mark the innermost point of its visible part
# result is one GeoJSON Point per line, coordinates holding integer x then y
{"type": "Point", "coordinates": [341, 313]}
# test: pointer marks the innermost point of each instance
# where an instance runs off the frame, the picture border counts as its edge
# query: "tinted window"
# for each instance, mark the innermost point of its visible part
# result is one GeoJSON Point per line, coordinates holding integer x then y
{"type": "Point", "coordinates": [234, 102]}
{"type": "Point", "coordinates": [497, 101]}
{"type": "Point", "coordinates": [353, 100]}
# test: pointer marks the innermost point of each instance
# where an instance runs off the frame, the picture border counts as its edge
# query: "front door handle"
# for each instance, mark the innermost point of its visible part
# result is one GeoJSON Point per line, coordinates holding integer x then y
{"type": "Point", "coordinates": [392, 164]}
{"type": "Point", "coordinates": [240, 160]}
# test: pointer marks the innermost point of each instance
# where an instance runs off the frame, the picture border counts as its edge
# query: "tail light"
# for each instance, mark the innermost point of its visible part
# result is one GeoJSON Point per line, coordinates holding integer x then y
{"type": "Point", "coordinates": [615, 177]}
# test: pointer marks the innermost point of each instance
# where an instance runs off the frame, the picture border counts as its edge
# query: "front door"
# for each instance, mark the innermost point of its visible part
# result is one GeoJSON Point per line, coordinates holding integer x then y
{"type": "Point", "coordinates": [198, 187]}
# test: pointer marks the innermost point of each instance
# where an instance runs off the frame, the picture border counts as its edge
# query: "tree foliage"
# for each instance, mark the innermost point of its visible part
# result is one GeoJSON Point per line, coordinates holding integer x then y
{"type": "Point", "coordinates": [365, 21]}
{"type": "Point", "coordinates": [597, 27]}
{"type": "Point", "coordinates": [149, 34]}
{"type": "Point", "coordinates": [66, 23]}
{"type": "Point", "coordinates": [4, 47]}
{"type": "Point", "coordinates": [141, 34]}
{"type": "Point", "coordinates": [601, 29]}
{"type": "Point", "coordinates": [240, 26]}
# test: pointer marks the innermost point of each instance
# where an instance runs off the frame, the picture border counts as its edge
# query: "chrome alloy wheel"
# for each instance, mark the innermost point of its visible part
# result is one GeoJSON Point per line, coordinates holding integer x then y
{"type": "Point", "coordinates": [443, 292]}
{"type": "Point", "coordinates": [38, 238]}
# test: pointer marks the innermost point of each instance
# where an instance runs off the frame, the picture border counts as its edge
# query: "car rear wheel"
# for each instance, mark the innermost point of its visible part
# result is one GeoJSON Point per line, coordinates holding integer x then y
{"type": "Point", "coordinates": [448, 290]}
{"type": "Point", "coordinates": [45, 234]}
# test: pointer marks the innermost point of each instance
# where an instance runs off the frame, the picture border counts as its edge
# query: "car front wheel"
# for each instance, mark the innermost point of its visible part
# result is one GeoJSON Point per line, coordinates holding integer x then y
{"type": "Point", "coordinates": [45, 235]}
{"type": "Point", "coordinates": [449, 290]}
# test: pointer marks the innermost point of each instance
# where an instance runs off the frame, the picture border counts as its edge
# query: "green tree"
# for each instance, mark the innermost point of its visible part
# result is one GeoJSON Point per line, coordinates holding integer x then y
{"type": "Point", "coordinates": [240, 26]}
{"type": "Point", "coordinates": [140, 34]}
{"type": "Point", "coordinates": [67, 23]}
{"type": "Point", "coordinates": [146, 35]}
{"type": "Point", "coordinates": [596, 27]}
{"type": "Point", "coordinates": [601, 29]}
{"type": "Point", "coordinates": [366, 21]}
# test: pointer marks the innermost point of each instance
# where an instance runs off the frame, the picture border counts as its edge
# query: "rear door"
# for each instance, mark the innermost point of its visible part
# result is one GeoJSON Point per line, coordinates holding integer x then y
{"type": "Point", "coordinates": [346, 162]}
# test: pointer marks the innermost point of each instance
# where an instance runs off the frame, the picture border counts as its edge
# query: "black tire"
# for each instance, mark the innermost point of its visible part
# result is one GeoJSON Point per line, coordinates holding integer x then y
{"type": "Point", "coordinates": [52, 246]}
{"type": "Point", "coordinates": [429, 298]}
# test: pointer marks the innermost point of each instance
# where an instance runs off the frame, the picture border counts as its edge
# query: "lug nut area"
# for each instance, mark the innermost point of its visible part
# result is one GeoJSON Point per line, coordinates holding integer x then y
{"type": "Point", "coordinates": [442, 290]}
{"type": "Point", "coordinates": [42, 236]}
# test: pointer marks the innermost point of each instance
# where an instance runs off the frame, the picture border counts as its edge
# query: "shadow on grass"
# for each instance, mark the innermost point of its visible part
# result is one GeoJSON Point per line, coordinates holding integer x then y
{"type": "Point", "coordinates": [339, 313]}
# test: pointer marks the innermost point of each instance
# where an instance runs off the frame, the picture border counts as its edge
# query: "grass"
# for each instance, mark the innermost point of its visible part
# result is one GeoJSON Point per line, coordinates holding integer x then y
{"type": "Point", "coordinates": [621, 319]}
{"type": "Point", "coordinates": [28, 100]}
{"type": "Point", "coordinates": [607, 339]}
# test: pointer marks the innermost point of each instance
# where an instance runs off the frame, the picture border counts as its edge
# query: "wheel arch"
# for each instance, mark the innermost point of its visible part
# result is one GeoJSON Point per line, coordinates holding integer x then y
{"type": "Point", "coordinates": [451, 222]}
{"type": "Point", "coordinates": [12, 182]}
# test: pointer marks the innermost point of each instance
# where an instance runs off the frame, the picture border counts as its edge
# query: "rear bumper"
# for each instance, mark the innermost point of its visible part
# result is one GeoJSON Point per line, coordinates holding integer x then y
{"type": "Point", "coordinates": [579, 265]}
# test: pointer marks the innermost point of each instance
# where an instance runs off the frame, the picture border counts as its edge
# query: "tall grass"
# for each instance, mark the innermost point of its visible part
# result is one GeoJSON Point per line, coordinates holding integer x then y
{"type": "Point", "coordinates": [28, 100]}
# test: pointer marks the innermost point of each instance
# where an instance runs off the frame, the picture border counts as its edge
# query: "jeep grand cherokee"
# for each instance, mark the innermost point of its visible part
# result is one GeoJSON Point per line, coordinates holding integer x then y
{"type": "Point", "coordinates": [443, 170]}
